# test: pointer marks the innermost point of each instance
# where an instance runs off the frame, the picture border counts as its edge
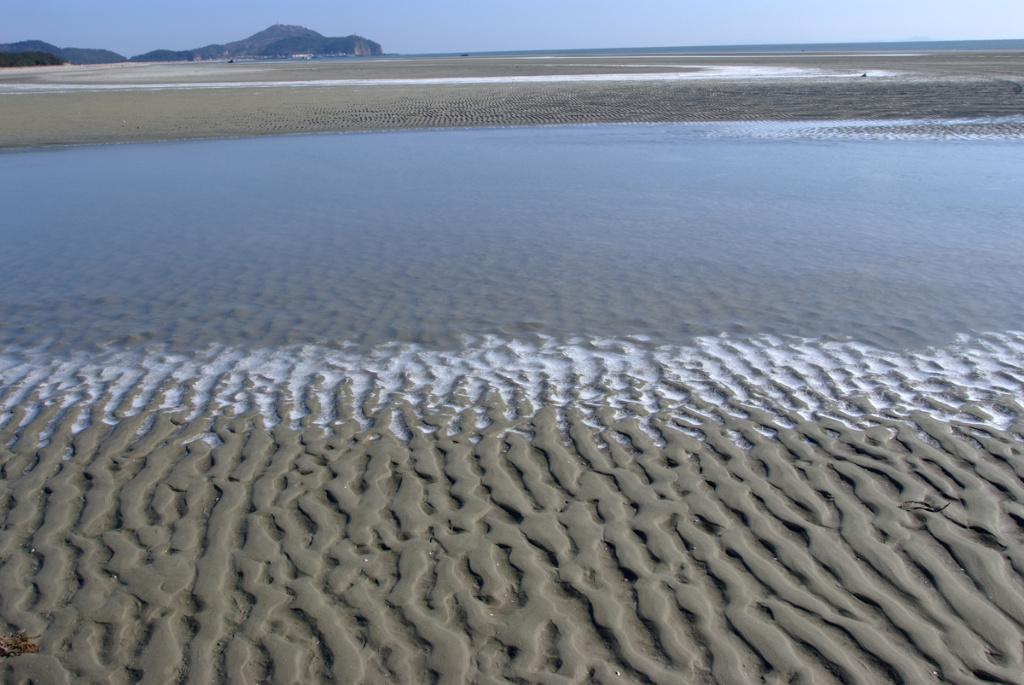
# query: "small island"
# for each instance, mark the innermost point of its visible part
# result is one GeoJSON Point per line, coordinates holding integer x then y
{"type": "Point", "coordinates": [278, 41]}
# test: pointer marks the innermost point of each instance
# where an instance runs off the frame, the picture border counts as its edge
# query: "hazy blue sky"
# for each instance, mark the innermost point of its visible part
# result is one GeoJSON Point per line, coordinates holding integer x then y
{"type": "Point", "coordinates": [415, 26]}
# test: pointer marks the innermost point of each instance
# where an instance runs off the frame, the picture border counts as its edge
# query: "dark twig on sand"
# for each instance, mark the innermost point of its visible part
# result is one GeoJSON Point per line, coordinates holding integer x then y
{"type": "Point", "coordinates": [19, 643]}
{"type": "Point", "coordinates": [914, 504]}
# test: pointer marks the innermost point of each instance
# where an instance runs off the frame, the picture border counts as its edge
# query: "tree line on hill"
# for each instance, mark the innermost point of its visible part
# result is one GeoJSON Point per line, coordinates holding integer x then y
{"type": "Point", "coordinates": [70, 55]}
{"type": "Point", "coordinates": [29, 59]}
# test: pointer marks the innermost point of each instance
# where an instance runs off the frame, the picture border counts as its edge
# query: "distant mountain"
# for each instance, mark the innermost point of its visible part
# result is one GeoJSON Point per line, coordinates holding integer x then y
{"type": "Point", "coordinates": [277, 41]}
{"type": "Point", "coordinates": [72, 55]}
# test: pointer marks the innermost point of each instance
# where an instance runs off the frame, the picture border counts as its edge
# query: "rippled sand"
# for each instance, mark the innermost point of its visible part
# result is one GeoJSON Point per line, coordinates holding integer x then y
{"type": "Point", "coordinates": [112, 103]}
{"type": "Point", "coordinates": [731, 512]}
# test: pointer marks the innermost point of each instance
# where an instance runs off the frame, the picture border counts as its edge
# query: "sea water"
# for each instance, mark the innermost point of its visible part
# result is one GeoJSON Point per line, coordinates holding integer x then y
{"type": "Point", "coordinates": [613, 263]}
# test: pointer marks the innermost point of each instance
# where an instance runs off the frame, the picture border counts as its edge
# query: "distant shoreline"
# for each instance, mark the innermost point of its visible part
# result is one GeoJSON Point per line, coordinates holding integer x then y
{"type": "Point", "coordinates": [918, 45]}
{"type": "Point", "coordinates": [174, 101]}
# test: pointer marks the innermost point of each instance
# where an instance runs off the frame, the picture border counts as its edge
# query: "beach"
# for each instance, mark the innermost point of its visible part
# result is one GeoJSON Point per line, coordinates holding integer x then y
{"type": "Point", "coordinates": [737, 398]}
{"type": "Point", "coordinates": [146, 102]}
{"type": "Point", "coordinates": [632, 518]}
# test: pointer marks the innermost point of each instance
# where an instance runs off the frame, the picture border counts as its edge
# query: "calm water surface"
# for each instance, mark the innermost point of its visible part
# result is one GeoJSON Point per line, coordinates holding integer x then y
{"type": "Point", "coordinates": [427, 236]}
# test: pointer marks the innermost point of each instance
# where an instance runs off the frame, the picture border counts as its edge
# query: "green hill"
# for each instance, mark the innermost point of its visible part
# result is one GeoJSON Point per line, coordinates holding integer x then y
{"type": "Point", "coordinates": [72, 55]}
{"type": "Point", "coordinates": [279, 40]}
{"type": "Point", "coordinates": [29, 59]}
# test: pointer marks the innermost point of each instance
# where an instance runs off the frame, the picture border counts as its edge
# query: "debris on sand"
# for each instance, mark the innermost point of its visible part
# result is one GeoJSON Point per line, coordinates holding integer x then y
{"type": "Point", "coordinates": [19, 643]}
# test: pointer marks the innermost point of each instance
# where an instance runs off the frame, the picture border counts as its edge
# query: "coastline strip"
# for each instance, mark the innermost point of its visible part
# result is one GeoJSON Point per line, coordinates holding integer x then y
{"type": "Point", "coordinates": [130, 103]}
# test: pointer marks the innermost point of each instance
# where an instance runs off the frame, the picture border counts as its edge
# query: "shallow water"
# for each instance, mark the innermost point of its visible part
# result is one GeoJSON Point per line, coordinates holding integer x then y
{"type": "Point", "coordinates": [806, 267]}
{"type": "Point", "coordinates": [663, 231]}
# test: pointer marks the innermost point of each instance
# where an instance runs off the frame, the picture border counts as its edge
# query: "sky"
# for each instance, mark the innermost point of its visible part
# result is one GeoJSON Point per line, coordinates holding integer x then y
{"type": "Point", "coordinates": [132, 27]}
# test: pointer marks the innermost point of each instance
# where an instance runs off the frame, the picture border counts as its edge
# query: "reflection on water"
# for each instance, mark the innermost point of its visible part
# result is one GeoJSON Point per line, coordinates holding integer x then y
{"type": "Point", "coordinates": [425, 236]}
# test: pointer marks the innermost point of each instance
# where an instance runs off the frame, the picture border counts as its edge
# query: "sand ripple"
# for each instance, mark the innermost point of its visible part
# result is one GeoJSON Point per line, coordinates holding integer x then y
{"type": "Point", "coordinates": [735, 511]}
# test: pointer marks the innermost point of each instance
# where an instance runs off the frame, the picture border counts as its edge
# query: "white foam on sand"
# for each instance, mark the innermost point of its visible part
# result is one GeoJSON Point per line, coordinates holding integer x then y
{"type": "Point", "coordinates": [979, 379]}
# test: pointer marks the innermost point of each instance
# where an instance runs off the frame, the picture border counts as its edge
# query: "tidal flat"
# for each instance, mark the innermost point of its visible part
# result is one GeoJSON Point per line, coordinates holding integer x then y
{"type": "Point", "coordinates": [169, 101]}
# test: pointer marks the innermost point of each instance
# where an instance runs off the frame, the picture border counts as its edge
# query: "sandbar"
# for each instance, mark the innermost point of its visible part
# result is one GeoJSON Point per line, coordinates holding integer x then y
{"type": "Point", "coordinates": [44, 106]}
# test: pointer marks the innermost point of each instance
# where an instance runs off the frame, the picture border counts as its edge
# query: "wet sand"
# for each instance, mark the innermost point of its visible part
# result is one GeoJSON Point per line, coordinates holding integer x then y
{"type": "Point", "coordinates": [833, 515]}
{"type": "Point", "coordinates": [145, 102]}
